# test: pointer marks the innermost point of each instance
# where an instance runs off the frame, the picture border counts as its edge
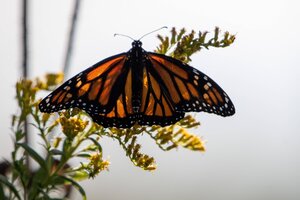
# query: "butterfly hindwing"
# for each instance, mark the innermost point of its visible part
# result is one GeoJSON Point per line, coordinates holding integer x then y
{"type": "Point", "coordinates": [122, 114]}
{"type": "Point", "coordinates": [156, 108]}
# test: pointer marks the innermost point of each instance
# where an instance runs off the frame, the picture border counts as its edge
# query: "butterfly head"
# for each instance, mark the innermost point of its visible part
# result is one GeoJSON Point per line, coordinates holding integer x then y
{"type": "Point", "coordinates": [136, 44]}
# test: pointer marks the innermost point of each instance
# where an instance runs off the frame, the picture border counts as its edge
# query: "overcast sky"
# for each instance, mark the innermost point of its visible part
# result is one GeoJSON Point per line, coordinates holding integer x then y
{"type": "Point", "coordinates": [252, 155]}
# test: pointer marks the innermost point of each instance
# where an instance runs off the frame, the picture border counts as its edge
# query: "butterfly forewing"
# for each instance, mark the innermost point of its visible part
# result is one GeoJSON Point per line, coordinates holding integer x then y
{"type": "Point", "coordinates": [188, 88]}
{"type": "Point", "coordinates": [92, 90]}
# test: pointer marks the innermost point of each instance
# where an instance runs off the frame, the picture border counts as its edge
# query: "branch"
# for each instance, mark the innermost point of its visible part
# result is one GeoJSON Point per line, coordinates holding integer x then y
{"type": "Point", "coordinates": [71, 37]}
{"type": "Point", "coordinates": [25, 63]}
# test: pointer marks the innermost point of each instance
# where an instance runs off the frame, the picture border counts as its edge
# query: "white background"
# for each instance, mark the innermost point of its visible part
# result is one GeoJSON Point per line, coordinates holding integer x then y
{"type": "Point", "coordinates": [252, 155]}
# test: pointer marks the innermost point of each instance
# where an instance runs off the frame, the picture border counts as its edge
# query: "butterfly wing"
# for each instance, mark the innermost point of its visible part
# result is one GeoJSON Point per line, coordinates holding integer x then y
{"type": "Point", "coordinates": [94, 90]}
{"type": "Point", "coordinates": [186, 88]}
{"type": "Point", "coordinates": [122, 114]}
{"type": "Point", "coordinates": [156, 107]}
{"type": "Point", "coordinates": [169, 89]}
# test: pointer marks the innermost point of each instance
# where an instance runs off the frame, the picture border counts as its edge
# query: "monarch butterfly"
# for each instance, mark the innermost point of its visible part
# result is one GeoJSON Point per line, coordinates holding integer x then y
{"type": "Point", "coordinates": [139, 87]}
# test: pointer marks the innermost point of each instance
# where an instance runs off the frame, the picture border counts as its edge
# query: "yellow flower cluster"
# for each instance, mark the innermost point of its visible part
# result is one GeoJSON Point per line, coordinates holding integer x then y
{"type": "Point", "coordinates": [141, 160]}
{"type": "Point", "coordinates": [170, 137]}
{"type": "Point", "coordinates": [188, 140]}
{"type": "Point", "coordinates": [96, 164]}
{"type": "Point", "coordinates": [72, 126]}
{"type": "Point", "coordinates": [182, 45]}
{"type": "Point", "coordinates": [50, 81]}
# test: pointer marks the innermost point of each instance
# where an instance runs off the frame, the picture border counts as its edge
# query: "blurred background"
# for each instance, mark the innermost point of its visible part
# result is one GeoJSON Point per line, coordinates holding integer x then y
{"type": "Point", "coordinates": [253, 155]}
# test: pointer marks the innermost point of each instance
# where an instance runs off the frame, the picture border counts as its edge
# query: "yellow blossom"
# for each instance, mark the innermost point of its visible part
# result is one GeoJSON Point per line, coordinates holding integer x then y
{"type": "Point", "coordinates": [54, 79]}
{"type": "Point", "coordinates": [72, 126]}
{"type": "Point", "coordinates": [97, 164]}
{"type": "Point", "coordinates": [56, 142]}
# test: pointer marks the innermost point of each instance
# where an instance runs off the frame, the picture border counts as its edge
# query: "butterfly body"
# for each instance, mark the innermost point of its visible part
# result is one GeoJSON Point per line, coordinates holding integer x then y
{"type": "Point", "coordinates": [139, 87]}
{"type": "Point", "coordinates": [136, 57]}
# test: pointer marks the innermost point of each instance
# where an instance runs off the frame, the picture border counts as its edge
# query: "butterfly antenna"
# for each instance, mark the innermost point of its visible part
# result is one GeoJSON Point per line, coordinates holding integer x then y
{"type": "Point", "coordinates": [117, 34]}
{"type": "Point", "coordinates": [152, 32]}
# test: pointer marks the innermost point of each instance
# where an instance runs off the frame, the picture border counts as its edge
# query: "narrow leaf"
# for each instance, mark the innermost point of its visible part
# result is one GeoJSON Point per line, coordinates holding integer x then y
{"type": "Point", "coordinates": [56, 152]}
{"type": "Point", "coordinates": [83, 155]}
{"type": "Point", "coordinates": [11, 187]}
{"type": "Point", "coordinates": [96, 143]}
{"type": "Point", "coordinates": [76, 185]}
{"type": "Point", "coordinates": [34, 155]}
{"type": "Point", "coordinates": [2, 195]}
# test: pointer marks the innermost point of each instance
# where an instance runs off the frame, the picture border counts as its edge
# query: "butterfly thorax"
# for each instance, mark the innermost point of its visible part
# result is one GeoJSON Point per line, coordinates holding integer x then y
{"type": "Point", "coordinates": [136, 55]}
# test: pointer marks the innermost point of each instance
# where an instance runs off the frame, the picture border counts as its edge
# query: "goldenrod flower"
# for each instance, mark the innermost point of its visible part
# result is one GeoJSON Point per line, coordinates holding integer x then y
{"type": "Point", "coordinates": [97, 164]}
{"type": "Point", "coordinates": [72, 126]}
{"type": "Point", "coordinates": [54, 79]}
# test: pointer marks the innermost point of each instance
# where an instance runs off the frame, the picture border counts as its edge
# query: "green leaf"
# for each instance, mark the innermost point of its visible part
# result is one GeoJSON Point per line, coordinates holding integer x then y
{"type": "Point", "coordinates": [11, 187]}
{"type": "Point", "coordinates": [76, 185]}
{"type": "Point", "coordinates": [83, 155]}
{"type": "Point", "coordinates": [34, 155]}
{"type": "Point", "coordinates": [47, 197]}
{"type": "Point", "coordinates": [80, 175]}
{"type": "Point", "coordinates": [96, 143]}
{"type": "Point", "coordinates": [19, 135]}
{"type": "Point", "coordinates": [2, 195]}
{"type": "Point", "coordinates": [56, 152]}
{"type": "Point", "coordinates": [57, 180]}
